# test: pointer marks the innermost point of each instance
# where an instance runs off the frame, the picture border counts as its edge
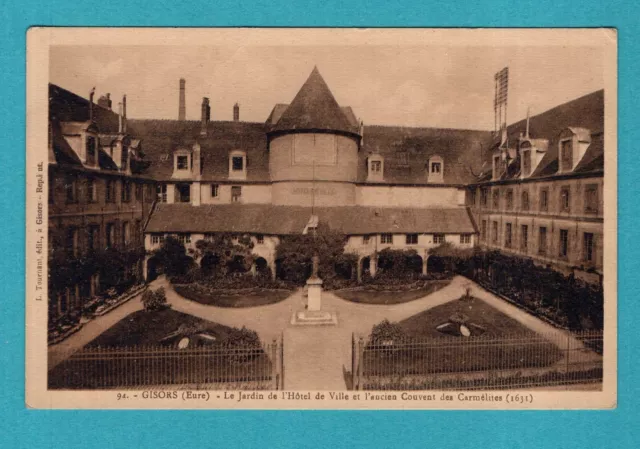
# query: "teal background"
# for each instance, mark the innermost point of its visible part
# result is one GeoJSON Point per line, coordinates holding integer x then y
{"type": "Point", "coordinates": [20, 427]}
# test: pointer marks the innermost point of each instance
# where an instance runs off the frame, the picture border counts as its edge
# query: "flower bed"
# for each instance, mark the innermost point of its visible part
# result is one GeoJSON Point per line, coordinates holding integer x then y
{"type": "Point", "coordinates": [391, 293]}
{"type": "Point", "coordinates": [231, 297]}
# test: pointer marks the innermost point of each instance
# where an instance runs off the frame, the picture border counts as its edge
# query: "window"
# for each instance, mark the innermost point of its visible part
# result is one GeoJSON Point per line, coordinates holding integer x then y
{"type": "Point", "coordinates": [402, 158]}
{"type": "Point", "coordinates": [183, 192]}
{"type": "Point", "coordinates": [71, 189]}
{"type": "Point", "coordinates": [472, 197]}
{"type": "Point", "coordinates": [182, 162]}
{"type": "Point", "coordinates": [566, 155]}
{"type": "Point", "coordinates": [92, 194]}
{"type": "Point", "coordinates": [438, 238]}
{"type": "Point", "coordinates": [366, 240]}
{"type": "Point", "coordinates": [215, 190]}
{"type": "Point", "coordinates": [465, 239]}
{"type": "Point", "coordinates": [157, 239]}
{"type": "Point", "coordinates": [507, 235]}
{"type": "Point", "coordinates": [591, 199]}
{"type": "Point", "coordinates": [524, 237]}
{"type": "Point", "coordinates": [436, 167]}
{"type": "Point", "coordinates": [544, 199]}
{"type": "Point", "coordinates": [236, 194]}
{"type": "Point", "coordinates": [542, 240]}
{"type": "Point", "coordinates": [509, 199]}
{"type": "Point", "coordinates": [483, 230]}
{"type": "Point", "coordinates": [412, 239]}
{"type": "Point", "coordinates": [126, 233]}
{"type": "Point", "coordinates": [72, 241]}
{"type": "Point", "coordinates": [93, 242]}
{"type": "Point", "coordinates": [494, 232]}
{"type": "Point", "coordinates": [496, 198]}
{"type": "Point", "coordinates": [496, 166]}
{"type": "Point", "coordinates": [124, 159]}
{"type": "Point", "coordinates": [525, 200]}
{"type": "Point", "coordinates": [237, 163]}
{"type": "Point", "coordinates": [376, 166]}
{"type": "Point", "coordinates": [111, 235]}
{"type": "Point", "coordinates": [526, 162]}
{"type": "Point", "coordinates": [91, 150]}
{"type": "Point", "coordinates": [110, 192]}
{"type": "Point", "coordinates": [386, 239]}
{"type": "Point", "coordinates": [138, 192]}
{"type": "Point", "coordinates": [564, 243]}
{"type": "Point", "coordinates": [126, 191]}
{"type": "Point", "coordinates": [260, 239]}
{"type": "Point", "coordinates": [565, 199]}
{"type": "Point", "coordinates": [184, 238]}
{"type": "Point", "coordinates": [587, 247]}
{"type": "Point", "coordinates": [484, 194]}
{"type": "Point", "coordinates": [161, 193]}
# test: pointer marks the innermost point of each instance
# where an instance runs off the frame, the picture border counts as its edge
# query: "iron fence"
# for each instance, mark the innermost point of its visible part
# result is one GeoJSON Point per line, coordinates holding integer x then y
{"type": "Point", "coordinates": [481, 362]}
{"type": "Point", "coordinates": [205, 367]}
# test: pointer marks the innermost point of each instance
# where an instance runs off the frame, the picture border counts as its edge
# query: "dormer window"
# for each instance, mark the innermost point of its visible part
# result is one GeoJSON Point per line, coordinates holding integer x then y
{"type": "Point", "coordinates": [238, 165]}
{"type": "Point", "coordinates": [435, 169]}
{"type": "Point", "coordinates": [376, 168]}
{"type": "Point", "coordinates": [526, 162]}
{"type": "Point", "coordinates": [182, 162]}
{"type": "Point", "coordinates": [91, 150]}
{"type": "Point", "coordinates": [566, 155]}
{"type": "Point", "coordinates": [496, 166]}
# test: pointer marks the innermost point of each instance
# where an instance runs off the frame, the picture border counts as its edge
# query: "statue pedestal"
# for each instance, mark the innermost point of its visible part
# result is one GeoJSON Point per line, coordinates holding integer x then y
{"type": "Point", "coordinates": [313, 315]}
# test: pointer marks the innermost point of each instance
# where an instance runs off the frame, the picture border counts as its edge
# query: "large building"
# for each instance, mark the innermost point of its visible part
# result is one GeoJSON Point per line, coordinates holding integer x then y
{"type": "Point", "coordinates": [311, 162]}
{"type": "Point", "coordinates": [533, 189]}
{"type": "Point", "coordinates": [99, 200]}
{"type": "Point", "coordinates": [541, 193]}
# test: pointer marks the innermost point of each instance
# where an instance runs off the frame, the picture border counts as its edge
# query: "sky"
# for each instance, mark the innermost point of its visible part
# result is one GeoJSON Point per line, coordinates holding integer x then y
{"type": "Point", "coordinates": [430, 86]}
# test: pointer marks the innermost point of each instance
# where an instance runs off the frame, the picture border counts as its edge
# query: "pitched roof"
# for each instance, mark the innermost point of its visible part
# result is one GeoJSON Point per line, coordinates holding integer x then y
{"type": "Point", "coordinates": [65, 106]}
{"type": "Point", "coordinates": [407, 150]}
{"type": "Point", "coordinates": [162, 137]}
{"type": "Point", "coordinates": [314, 108]}
{"type": "Point", "coordinates": [582, 116]}
{"type": "Point", "coordinates": [285, 220]}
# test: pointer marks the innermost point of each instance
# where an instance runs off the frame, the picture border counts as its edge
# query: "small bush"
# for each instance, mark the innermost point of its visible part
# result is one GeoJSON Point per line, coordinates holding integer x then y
{"type": "Point", "coordinates": [385, 332]}
{"type": "Point", "coordinates": [154, 300]}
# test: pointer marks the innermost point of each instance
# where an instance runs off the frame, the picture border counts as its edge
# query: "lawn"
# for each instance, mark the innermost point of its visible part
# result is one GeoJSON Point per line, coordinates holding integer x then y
{"type": "Point", "coordinates": [505, 344]}
{"type": "Point", "coordinates": [224, 298]}
{"type": "Point", "coordinates": [148, 328]}
{"type": "Point", "coordinates": [131, 354]}
{"type": "Point", "coordinates": [382, 297]}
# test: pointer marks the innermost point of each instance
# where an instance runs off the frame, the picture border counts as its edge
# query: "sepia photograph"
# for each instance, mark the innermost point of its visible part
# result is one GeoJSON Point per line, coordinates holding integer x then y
{"type": "Point", "coordinates": [321, 218]}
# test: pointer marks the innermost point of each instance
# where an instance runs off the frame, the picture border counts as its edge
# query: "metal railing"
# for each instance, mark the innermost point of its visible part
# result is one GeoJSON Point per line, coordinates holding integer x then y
{"type": "Point", "coordinates": [481, 362]}
{"type": "Point", "coordinates": [206, 367]}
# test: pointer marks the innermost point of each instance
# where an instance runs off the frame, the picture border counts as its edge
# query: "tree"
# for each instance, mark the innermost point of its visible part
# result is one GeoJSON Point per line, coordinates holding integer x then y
{"type": "Point", "coordinates": [294, 253]}
{"type": "Point", "coordinates": [231, 253]}
{"type": "Point", "coordinates": [172, 255]}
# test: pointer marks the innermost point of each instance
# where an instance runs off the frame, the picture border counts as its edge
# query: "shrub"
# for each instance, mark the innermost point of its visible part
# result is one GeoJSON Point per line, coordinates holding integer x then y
{"type": "Point", "coordinates": [385, 332]}
{"type": "Point", "coordinates": [154, 300]}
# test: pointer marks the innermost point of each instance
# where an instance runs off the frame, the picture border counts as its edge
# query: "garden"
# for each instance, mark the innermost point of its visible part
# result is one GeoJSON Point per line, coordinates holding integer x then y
{"type": "Point", "coordinates": [158, 346]}
{"type": "Point", "coordinates": [564, 301]}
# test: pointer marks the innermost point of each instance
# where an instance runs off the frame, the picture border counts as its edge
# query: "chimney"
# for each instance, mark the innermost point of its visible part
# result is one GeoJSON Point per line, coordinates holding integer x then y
{"type": "Point", "coordinates": [119, 118]}
{"type": "Point", "coordinates": [91, 94]}
{"type": "Point", "coordinates": [105, 101]}
{"type": "Point", "coordinates": [236, 112]}
{"type": "Point", "coordinates": [124, 113]}
{"type": "Point", "coordinates": [205, 116]}
{"type": "Point", "coordinates": [182, 114]}
{"type": "Point", "coordinates": [527, 133]}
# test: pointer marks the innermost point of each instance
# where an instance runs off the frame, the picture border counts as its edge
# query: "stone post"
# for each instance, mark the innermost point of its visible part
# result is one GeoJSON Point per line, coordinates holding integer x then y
{"type": "Point", "coordinates": [373, 265]}
{"type": "Point", "coordinates": [424, 264]}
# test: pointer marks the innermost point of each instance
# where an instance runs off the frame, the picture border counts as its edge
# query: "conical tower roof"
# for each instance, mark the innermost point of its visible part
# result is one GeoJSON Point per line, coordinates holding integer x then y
{"type": "Point", "coordinates": [314, 108]}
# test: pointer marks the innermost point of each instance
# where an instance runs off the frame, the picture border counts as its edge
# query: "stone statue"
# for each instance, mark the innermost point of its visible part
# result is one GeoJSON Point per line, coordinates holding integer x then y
{"type": "Point", "coordinates": [316, 261]}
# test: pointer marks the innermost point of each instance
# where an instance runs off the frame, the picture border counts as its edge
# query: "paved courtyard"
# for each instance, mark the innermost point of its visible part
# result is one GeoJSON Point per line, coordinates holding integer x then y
{"type": "Point", "coordinates": [316, 357]}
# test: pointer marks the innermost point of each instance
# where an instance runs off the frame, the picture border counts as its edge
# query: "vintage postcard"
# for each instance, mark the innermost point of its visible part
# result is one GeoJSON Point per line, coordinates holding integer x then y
{"type": "Point", "coordinates": [321, 218]}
